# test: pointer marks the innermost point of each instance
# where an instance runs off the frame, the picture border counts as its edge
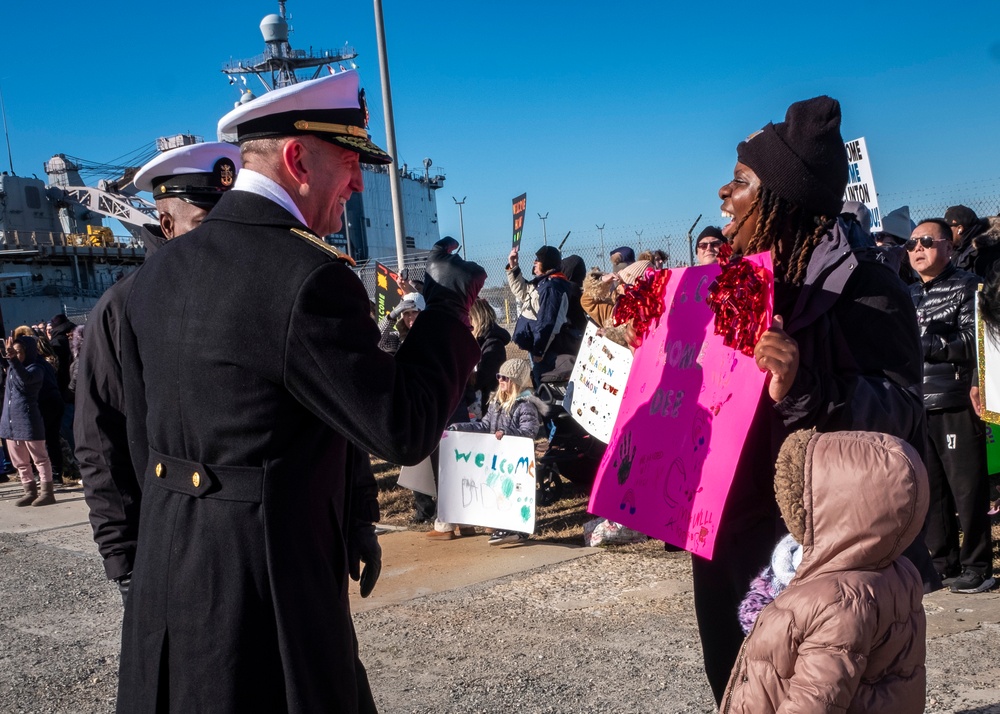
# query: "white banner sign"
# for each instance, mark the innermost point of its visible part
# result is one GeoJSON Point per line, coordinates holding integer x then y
{"type": "Point", "coordinates": [989, 369]}
{"type": "Point", "coordinates": [860, 184]}
{"type": "Point", "coordinates": [419, 478]}
{"type": "Point", "coordinates": [599, 377]}
{"type": "Point", "coordinates": [485, 481]}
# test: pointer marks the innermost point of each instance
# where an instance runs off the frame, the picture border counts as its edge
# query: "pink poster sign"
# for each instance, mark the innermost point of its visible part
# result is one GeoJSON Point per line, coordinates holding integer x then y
{"type": "Point", "coordinates": [684, 418]}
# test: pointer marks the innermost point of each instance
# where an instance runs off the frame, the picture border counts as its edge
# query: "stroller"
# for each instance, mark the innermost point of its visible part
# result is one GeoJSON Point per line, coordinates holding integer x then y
{"type": "Point", "coordinates": [572, 453]}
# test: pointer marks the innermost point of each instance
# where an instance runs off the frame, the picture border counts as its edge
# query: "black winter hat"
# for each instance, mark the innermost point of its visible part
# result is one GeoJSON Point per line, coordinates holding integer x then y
{"type": "Point", "coordinates": [627, 254]}
{"type": "Point", "coordinates": [960, 216]}
{"type": "Point", "coordinates": [549, 257]}
{"type": "Point", "coordinates": [710, 232]}
{"type": "Point", "coordinates": [802, 159]}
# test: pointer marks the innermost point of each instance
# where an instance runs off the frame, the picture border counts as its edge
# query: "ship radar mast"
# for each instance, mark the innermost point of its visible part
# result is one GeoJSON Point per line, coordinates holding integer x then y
{"type": "Point", "coordinates": [278, 65]}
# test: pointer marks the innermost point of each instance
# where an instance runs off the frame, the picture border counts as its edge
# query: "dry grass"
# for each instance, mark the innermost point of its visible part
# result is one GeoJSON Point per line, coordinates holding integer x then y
{"type": "Point", "coordinates": [561, 522]}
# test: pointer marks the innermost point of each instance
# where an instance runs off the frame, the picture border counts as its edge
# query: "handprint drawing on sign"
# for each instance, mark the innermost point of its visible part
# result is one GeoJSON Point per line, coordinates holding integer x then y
{"type": "Point", "coordinates": [626, 453]}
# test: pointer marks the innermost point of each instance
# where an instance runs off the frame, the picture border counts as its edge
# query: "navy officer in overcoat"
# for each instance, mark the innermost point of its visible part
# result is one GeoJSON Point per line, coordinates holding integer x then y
{"type": "Point", "coordinates": [248, 346]}
{"type": "Point", "coordinates": [186, 183]}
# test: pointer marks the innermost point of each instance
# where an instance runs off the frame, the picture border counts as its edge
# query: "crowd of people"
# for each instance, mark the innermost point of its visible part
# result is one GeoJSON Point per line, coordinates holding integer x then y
{"type": "Point", "coordinates": [230, 489]}
{"type": "Point", "coordinates": [39, 373]}
{"type": "Point", "coordinates": [872, 361]}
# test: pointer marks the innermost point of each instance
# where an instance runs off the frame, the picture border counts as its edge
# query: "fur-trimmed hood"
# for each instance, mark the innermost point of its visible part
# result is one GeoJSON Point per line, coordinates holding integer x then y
{"type": "Point", "coordinates": [864, 499]}
{"type": "Point", "coordinates": [991, 235]}
{"type": "Point", "coordinates": [597, 289]}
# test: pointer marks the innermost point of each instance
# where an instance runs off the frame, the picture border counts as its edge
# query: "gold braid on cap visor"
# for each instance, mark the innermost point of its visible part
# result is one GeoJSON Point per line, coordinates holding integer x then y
{"type": "Point", "coordinates": [348, 129]}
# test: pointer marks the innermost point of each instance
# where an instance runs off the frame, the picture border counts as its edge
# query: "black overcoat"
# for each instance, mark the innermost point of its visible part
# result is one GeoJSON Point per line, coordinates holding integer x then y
{"type": "Point", "coordinates": [251, 350]}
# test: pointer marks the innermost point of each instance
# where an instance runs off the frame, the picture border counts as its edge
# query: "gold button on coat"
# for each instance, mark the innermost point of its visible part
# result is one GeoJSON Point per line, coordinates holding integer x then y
{"type": "Point", "coordinates": [196, 479]}
{"type": "Point", "coordinates": [161, 471]}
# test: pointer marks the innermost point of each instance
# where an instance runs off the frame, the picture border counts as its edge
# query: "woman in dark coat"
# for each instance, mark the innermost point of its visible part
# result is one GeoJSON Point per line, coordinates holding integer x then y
{"type": "Point", "coordinates": [843, 352]}
{"type": "Point", "coordinates": [21, 422]}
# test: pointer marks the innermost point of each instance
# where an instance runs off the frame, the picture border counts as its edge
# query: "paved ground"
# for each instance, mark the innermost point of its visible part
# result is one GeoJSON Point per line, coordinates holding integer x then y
{"type": "Point", "coordinates": [452, 627]}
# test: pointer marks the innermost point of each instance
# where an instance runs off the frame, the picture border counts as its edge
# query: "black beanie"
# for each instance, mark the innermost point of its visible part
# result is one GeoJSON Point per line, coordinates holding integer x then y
{"type": "Point", "coordinates": [549, 257]}
{"type": "Point", "coordinates": [711, 232]}
{"type": "Point", "coordinates": [960, 216]}
{"type": "Point", "coordinates": [802, 159]}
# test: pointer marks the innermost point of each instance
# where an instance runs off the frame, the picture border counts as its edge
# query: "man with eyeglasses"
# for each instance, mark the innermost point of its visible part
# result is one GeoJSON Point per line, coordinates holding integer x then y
{"type": "Point", "coordinates": [944, 299]}
{"type": "Point", "coordinates": [710, 240]}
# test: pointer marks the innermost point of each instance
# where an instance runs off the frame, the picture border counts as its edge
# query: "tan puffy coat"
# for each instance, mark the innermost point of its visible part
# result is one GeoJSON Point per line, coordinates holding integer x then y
{"type": "Point", "coordinates": [848, 634]}
{"type": "Point", "coordinates": [598, 301]}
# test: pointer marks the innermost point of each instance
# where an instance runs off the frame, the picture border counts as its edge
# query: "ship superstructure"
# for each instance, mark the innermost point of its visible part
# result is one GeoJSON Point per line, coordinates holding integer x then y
{"type": "Point", "coordinates": [368, 229]}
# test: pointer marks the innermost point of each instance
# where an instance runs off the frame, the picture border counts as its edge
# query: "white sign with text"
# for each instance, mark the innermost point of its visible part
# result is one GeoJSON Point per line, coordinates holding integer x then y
{"type": "Point", "coordinates": [599, 377]}
{"type": "Point", "coordinates": [860, 183]}
{"type": "Point", "coordinates": [485, 481]}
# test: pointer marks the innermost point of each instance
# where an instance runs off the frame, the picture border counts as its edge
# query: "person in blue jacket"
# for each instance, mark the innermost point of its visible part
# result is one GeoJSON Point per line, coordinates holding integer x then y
{"type": "Point", "coordinates": [544, 311]}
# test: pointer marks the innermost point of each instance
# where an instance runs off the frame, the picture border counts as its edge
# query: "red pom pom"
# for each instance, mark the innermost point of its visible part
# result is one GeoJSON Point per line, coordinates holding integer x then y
{"type": "Point", "coordinates": [642, 302]}
{"type": "Point", "coordinates": [738, 297]}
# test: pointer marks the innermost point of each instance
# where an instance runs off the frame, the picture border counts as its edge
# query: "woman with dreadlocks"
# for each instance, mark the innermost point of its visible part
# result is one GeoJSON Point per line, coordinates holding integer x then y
{"type": "Point", "coordinates": [842, 354]}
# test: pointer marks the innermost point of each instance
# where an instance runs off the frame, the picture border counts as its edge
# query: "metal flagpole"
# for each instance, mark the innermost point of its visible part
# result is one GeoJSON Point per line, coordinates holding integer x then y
{"type": "Point", "coordinates": [395, 187]}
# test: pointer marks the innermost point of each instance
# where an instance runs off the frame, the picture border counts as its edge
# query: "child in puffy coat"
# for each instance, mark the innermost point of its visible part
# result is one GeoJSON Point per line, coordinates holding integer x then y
{"type": "Point", "coordinates": [513, 409]}
{"type": "Point", "coordinates": [848, 633]}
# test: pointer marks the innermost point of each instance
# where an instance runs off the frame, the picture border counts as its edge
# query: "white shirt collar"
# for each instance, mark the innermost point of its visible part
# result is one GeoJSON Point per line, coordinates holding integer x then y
{"type": "Point", "coordinates": [253, 182]}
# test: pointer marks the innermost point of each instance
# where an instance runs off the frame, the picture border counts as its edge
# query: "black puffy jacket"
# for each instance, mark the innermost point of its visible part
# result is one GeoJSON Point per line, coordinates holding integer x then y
{"type": "Point", "coordinates": [947, 320]}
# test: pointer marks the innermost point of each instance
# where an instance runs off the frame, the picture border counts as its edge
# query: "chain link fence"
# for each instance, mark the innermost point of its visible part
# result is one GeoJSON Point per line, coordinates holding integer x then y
{"type": "Point", "coordinates": [672, 237]}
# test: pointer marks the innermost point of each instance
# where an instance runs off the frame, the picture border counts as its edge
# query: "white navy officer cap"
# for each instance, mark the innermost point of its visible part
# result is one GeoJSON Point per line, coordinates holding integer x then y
{"type": "Point", "coordinates": [198, 173]}
{"type": "Point", "coordinates": [331, 108]}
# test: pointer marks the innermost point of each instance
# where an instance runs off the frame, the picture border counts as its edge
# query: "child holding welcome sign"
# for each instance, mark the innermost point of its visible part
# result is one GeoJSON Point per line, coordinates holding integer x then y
{"type": "Point", "coordinates": [512, 410]}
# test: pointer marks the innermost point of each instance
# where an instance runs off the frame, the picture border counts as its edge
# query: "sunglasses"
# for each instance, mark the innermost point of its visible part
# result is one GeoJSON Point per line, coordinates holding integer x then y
{"type": "Point", "coordinates": [925, 241]}
{"type": "Point", "coordinates": [502, 377]}
{"type": "Point", "coordinates": [710, 244]}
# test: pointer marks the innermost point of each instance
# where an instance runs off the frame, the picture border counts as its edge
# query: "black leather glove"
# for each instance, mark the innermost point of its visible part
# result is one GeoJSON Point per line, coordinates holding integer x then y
{"type": "Point", "coordinates": [363, 547]}
{"type": "Point", "coordinates": [452, 284]}
{"type": "Point", "coordinates": [123, 582]}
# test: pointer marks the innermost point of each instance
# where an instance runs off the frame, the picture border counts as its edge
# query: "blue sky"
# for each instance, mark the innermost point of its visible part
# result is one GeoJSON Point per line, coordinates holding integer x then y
{"type": "Point", "coordinates": [625, 114]}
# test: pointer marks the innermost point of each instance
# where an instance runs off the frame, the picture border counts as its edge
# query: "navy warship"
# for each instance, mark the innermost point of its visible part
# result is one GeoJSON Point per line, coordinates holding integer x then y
{"type": "Point", "coordinates": [58, 256]}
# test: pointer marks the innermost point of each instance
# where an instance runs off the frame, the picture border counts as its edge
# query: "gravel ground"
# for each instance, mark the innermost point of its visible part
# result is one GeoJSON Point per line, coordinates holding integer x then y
{"type": "Point", "coordinates": [613, 632]}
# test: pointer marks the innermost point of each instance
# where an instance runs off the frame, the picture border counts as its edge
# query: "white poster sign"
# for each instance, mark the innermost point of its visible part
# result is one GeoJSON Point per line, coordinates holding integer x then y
{"type": "Point", "coordinates": [599, 377]}
{"type": "Point", "coordinates": [419, 478]}
{"type": "Point", "coordinates": [989, 369]}
{"type": "Point", "coordinates": [860, 184]}
{"type": "Point", "coordinates": [485, 481]}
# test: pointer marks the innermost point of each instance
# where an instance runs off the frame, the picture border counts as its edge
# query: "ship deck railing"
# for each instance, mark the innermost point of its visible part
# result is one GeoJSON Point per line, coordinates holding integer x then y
{"type": "Point", "coordinates": [24, 243]}
{"type": "Point", "coordinates": [50, 288]}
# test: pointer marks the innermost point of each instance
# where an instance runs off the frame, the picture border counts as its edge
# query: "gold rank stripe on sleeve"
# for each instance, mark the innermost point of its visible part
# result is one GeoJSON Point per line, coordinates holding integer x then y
{"type": "Point", "coordinates": [309, 237]}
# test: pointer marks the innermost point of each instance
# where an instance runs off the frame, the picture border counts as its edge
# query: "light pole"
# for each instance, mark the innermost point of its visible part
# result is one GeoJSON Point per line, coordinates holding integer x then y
{"type": "Point", "coordinates": [461, 221]}
{"type": "Point", "coordinates": [545, 235]}
{"type": "Point", "coordinates": [601, 229]}
{"type": "Point", "coordinates": [638, 237]}
{"type": "Point", "coordinates": [395, 189]}
{"type": "Point", "coordinates": [10, 158]}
